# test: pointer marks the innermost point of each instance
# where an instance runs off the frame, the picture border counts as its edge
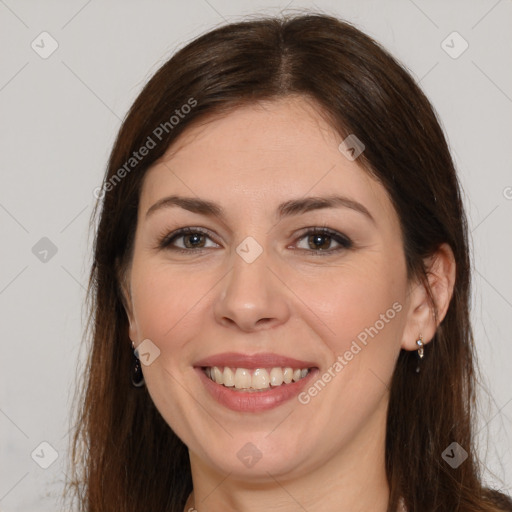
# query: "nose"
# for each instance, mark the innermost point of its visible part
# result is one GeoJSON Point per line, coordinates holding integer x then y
{"type": "Point", "coordinates": [251, 296]}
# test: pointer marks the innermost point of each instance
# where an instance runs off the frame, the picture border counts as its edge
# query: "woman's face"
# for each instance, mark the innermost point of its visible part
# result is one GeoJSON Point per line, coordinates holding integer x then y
{"type": "Point", "coordinates": [252, 290]}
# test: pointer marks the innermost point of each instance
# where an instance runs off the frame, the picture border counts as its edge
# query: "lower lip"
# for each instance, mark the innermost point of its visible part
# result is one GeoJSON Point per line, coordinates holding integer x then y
{"type": "Point", "coordinates": [257, 400]}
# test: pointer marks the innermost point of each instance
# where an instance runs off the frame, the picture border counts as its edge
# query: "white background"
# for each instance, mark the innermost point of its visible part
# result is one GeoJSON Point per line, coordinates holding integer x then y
{"type": "Point", "coordinates": [59, 117]}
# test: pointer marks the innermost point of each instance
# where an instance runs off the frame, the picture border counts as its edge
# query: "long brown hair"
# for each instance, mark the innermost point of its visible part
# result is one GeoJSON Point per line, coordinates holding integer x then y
{"type": "Point", "coordinates": [124, 456]}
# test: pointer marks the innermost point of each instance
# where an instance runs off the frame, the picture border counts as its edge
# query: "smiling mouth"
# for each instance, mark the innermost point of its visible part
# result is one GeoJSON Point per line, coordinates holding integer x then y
{"type": "Point", "coordinates": [254, 380]}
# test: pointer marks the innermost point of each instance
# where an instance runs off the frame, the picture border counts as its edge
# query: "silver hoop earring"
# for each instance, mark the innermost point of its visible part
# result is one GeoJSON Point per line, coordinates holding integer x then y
{"type": "Point", "coordinates": [420, 351]}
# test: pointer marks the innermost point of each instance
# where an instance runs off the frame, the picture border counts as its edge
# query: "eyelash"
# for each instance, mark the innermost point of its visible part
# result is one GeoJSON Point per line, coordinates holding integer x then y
{"type": "Point", "coordinates": [345, 243]}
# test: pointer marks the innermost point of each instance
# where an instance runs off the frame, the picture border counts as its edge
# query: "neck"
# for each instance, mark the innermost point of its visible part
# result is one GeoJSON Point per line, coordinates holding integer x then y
{"type": "Point", "coordinates": [353, 479]}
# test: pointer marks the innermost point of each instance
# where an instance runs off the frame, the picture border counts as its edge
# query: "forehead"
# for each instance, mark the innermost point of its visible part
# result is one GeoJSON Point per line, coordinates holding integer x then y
{"type": "Point", "coordinates": [260, 153]}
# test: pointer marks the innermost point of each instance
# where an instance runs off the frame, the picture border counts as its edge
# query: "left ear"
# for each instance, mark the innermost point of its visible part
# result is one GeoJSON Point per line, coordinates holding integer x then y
{"type": "Point", "coordinates": [440, 269]}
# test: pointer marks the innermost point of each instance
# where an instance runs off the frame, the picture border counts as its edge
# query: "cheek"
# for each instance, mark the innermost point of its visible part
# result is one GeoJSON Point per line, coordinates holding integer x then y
{"type": "Point", "coordinates": [352, 302]}
{"type": "Point", "coordinates": [165, 302]}
{"type": "Point", "coordinates": [167, 307]}
{"type": "Point", "coordinates": [362, 313]}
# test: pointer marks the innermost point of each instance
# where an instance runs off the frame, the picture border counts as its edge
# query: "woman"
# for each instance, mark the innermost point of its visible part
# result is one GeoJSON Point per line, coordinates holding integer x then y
{"type": "Point", "coordinates": [281, 261]}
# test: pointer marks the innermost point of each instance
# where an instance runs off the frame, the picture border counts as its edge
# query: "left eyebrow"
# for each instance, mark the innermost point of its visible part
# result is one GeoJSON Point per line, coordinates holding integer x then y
{"type": "Point", "coordinates": [307, 204]}
{"type": "Point", "coordinates": [286, 209]}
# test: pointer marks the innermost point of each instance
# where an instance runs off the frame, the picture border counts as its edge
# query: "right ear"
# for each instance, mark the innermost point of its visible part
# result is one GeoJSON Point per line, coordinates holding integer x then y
{"type": "Point", "coordinates": [126, 297]}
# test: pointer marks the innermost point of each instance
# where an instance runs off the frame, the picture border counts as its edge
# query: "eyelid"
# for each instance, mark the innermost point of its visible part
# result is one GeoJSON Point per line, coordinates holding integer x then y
{"type": "Point", "coordinates": [341, 239]}
{"type": "Point", "coordinates": [165, 238]}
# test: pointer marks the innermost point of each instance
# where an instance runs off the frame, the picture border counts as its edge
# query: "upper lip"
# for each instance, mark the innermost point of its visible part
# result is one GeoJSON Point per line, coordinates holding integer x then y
{"type": "Point", "coordinates": [263, 360]}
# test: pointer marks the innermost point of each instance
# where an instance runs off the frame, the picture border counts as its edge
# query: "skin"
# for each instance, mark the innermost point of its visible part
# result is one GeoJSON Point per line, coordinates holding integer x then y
{"type": "Point", "coordinates": [290, 300]}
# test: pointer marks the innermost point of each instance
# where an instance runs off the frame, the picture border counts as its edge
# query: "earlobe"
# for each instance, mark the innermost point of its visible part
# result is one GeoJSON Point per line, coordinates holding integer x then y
{"type": "Point", "coordinates": [423, 317]}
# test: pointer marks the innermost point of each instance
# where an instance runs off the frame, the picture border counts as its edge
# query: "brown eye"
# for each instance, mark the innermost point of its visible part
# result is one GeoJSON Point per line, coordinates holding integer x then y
{"type": "Point", "coordinates": [193, 240]}
{"type": "Point", "coordinates": [186, 239]}
{"type": "Point", "coordinates": [320, 240]}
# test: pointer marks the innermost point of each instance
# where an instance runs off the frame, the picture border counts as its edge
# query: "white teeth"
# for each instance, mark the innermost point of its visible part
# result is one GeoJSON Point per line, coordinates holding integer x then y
{"type": "Point", "coordinates": [242, 378]}
{"type": "Point", "coordinates": [260, 378]}
{"type": "Point", "coordinates": [228, 377]}
{"type": "Point", "coordinates": [217, 375]}
{"type": "Point", "coordinates": [276, 376]}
